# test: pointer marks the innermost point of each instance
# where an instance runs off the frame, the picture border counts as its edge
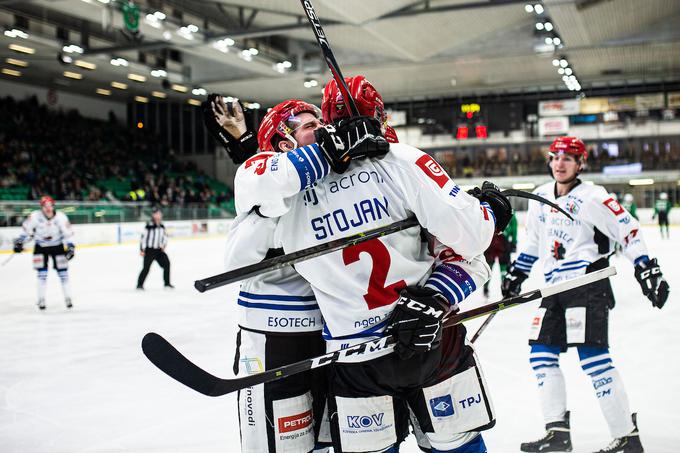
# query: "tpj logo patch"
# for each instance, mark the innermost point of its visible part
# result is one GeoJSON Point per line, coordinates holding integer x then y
{"type": "Point", "coordinates": [432, 170]}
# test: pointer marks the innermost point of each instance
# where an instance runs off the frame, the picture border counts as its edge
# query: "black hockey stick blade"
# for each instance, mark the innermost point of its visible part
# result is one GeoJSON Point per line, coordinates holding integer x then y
{"type": "Point", "coordinates": [282, 261]}
{"type": "Point", "coordinates": [322, 39]}
{"type": "Point", "coordinates": [162, 354]}
{"type": "Point", "coordinates": [482, 328]}
{"type": "Point", "coordinates": [533, 196]}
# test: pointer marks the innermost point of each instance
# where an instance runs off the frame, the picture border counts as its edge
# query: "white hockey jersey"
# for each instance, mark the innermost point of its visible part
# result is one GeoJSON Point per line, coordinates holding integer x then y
{"type": "Point", "coordinates": [277, 301]}
{"type": "Point", "coordinates": [47, 232]}
{"type": "Point", "coordinates": [565, 247]}
{"type": "Point", "coordinates": [356, 288]}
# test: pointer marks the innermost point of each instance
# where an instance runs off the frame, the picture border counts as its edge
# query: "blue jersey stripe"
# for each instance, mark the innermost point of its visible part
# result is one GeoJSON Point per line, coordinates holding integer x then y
{"type": "Point", "coordinates": [247, 304]}
{"type": "Point", "coordinates": [451, 293]}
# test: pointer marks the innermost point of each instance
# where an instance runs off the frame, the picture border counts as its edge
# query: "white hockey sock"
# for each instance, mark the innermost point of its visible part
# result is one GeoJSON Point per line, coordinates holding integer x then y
{"type": "Point", "coordinates": [553, 393]}
{"type": "Point", "coordinates": [613, 401]}
{"type": "Point", "coordinates": [42, 284]}
{"type": "Point", "coordinates": [66, 288]}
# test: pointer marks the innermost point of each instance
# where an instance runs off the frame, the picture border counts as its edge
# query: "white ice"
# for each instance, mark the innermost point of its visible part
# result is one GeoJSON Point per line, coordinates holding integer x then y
{"type": "Point", "coordinates": [77, 381]}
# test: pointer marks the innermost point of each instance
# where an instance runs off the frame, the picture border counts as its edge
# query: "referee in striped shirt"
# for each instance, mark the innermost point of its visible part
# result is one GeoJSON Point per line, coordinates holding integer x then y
{"type": "Point", "coordinates": [152, 247]}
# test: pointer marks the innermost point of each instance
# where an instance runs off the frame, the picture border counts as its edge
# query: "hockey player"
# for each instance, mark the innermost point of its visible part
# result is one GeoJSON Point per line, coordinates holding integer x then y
{"type": "Point", "coordinates": [629, 204]}
{"type": "Point", "coordinates": [279, 320]}
{"type": "Point", "coordinates": [579, 318]}
{"type": "Point", "coordinates": [365, 195]}
{"type": "Point", "coordinates": [662, 209]}
{"type": "Point", "coordinates": [51, 231]}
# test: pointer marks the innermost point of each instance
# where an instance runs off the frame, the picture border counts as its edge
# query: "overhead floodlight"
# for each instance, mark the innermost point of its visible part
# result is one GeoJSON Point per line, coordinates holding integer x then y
{"type": "Point", "coordinates": [159, 15]}
{"type": "Point", "coordinates": [142, 99]}
{"type": "Point", "coordinates": [556, 62]}
{"type": "Point", "coordinates": [22, 49]}
{"type": "Point", "coordinates": [179, 88]}
{"type": "Point", "coordinates": [119, 85]}
{"type": "Point", "coordinates": [529, 8]}
{"type": "Point", "coordinates": [85, 65]}
{"type": "Point", "coordinates": [557, 41]}
{"type": "Point", "coordinates": [539, 26]}
{"type": "Point", "coordinates": [565, 78]}
{"type": "Point", "coordinates": [73, 75]}
{"type": "Point", "coordinates": [16, 33]}
{"type": "Point", "coordinates": [560, 71]}
{"type": "Point", "coordinates": [192, 28]}
{"type": "Point", "coordinates": [136, 77]}
{"type": "Point", "coordinates": [159, 73]}
{"type": "Point", "coordinates": [538, 9]}
{"type": "Point", "coordinates": [568, 71]}
{"type": "Point", "coordinates": [103, 92]}
{"type": "Point", "coordinates": [564, 63]}
{"type": "Point", "coordinates": [548, 41]}
{"type": "Point", "coordinates": [167, 35]}
{"type": "Point", "coordinates": [119, 62]}
{"type": "Point", "coordinates": [72, 48]}
{"type": "Point", "coordinates": [12, 72]}
{"type": "Point", "coordinates": [195, 102]}
{"type": "Point", "coordinates": [199, 91]}
{"type": "Point", "coordinates": [159, 94]}
{"type": "Point", "coordinates": [548, 26]}
{"type": "Point", "coordinates": [253, 51]}
{"type": "Point", "coordinates": [16, 62]}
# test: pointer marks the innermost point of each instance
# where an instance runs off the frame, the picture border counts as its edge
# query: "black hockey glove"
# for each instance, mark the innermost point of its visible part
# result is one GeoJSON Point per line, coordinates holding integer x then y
{"type": "Point", "coordinates": [352, 138]}
{"type": "Point", "coordinates": [18, 245]}
{"type": "Point", "coordinates": [70, 251]}
{"type": "Point", "coordinates": [416, 321]}
{"type": "Point", "coordinates": [499, 203]}
{"type": "Point", "coordinates": [219, 118]}
{"type": "Point", "coordinates": [653, 285]}
{"type": "Point", "coordinates": [512, 283]}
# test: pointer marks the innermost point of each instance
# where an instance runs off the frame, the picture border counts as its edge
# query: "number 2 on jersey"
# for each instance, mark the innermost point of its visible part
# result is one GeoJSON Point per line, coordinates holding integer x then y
{"type": "Point", "coordinates": [378, 295]}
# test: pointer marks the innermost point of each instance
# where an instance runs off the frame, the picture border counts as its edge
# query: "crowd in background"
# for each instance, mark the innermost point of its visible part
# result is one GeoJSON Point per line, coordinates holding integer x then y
{"type": "Point", "coordinates": [74, 158]}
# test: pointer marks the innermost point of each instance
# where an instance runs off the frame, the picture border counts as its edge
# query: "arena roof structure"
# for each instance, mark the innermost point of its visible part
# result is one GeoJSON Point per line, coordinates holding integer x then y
{"type": "Point", "coordinates": [264, 51]}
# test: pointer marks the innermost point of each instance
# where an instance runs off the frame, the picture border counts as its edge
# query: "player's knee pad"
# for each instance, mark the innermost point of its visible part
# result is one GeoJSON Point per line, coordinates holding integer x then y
{"type": "Point", "coordinates": [61, 262]}
{"type": "Point", "coordinates": [458, 407]}
{"type": "Point", "coordinates": [594, 361]}
{"type": "Point", "coordinates": [544, 356]}
{"type": "Point", "coordinates": [40, 262]}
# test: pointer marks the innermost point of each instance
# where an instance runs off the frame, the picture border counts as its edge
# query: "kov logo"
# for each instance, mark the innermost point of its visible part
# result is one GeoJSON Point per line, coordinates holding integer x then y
{"type": "Point", "coordinates": [442, 406]}
{"type": "Point", "coordinates": [365, 421]}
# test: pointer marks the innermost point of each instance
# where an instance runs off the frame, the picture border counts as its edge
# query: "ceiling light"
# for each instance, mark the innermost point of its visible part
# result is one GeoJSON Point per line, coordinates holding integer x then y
{"type": "Point", "coordinates": [73, 75]}
{"type": "Point", "coordinates": [199, 92]}
{"type": "Point", "coordinates": [254, 105]}
{"type": "Point", "coordinates": [528, 8]}
{"type": "Point", "coordinates": [12, 72]}
{"type": "Point", "coordinates": [557, 41]}
{"type": "Point", "coordinates": [538, 9]}
{"type": "Point", "coordinates": [159, 73]}
{"type": "Point", "coordinates": [548, 26]}
{"type": "Point", "coordinates": [641, 182]}
{"type": "Point", "coordinates": [246, 55]}
{"type": "Point", "coordinates": [167, 35]}
{"type": "Point", "coordinates": [193, 102]}
{"type": "Point", "coordinates": [152, 20]}
{"type": "Point", "coordinates": [568, 71]}
{"type": "Point", "coordinates": [22, 49]}
{"type": "Point", "coordinates": [185, 33]}
{"type": "Point", "coordinates": [119, 62]}
{"type": "Point", "coordinates": [287, 64]}
{"type": "Point", "coordinates": [180, 88]}
{"type": "Point", "coordinates": [142, 99]}
{"type": "Point", "coordinates": [16, 62]}
{"type": "Point", "coordinates": [560, 71]}
{"type": "Point", "coordinates": [253, 51]}
{"type": "Point", "coordinates": [103, 91]}
{"type": "Point", "coordinates": [311, 83]}
{"type": "Point", "coordinates": [565, 78]}
{"type": "Point", "coordinates": [136, 77]}
{"type": "Point", "coordinates": [192, 28]}
{"type": "Point", "coordinates": [16, 33]}
{"type": "Point", "coordinates": [548, 41]}
{"type": "Point", "coordinates": [539, 25]}
{"type": "Point", "coordinates": [564, 63]}
{"type": "Point", "coordinates": [72, 48]}
{"type": "Point", "coordinates": [85, 64]}
{"type": "Point", "coordinates": [119, 85]}
{"type": "Point", "coordinates": [556, 62]}
{"type": "Point", "coordinates": [159, 15]}
{"type": "Point", "coordinates": [159, 94]}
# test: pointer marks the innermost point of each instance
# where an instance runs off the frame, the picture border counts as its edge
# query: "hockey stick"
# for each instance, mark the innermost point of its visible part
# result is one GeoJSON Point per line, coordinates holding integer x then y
{"type": "Point", "coordinates": [9, 259]}
{"type": "Point", "coordinates": [169, 360]}
{"type": "Point", "coordinates": [301, 255]}
{"type": "Point", "coordinates": [282, 261]}
{"type": "Point", "coordinates": [322, 39]}
{"type": "Point", "coordinates": [482, 327]}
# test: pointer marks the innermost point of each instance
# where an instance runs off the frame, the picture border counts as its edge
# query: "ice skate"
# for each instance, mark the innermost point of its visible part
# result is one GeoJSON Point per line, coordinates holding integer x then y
{"type": "Point", "coordinates": [556, 439]}
{"type": "Point", "coordinates": [626, 444]}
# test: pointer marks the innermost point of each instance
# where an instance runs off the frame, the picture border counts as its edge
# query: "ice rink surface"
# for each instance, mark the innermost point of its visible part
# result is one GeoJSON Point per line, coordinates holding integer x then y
{"type": "Point", "coordinates": [77, 381]}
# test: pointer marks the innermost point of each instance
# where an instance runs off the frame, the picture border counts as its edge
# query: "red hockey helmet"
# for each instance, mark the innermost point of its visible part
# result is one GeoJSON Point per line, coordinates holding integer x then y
{"type": "Point", "coordinates": [569, 145]}
{"type": "Point", "coordinates": [281, 120]}
{"type": "Point", "coordinates": [45, 200]}
{"type": "Point", "coordinates": [369, 103]}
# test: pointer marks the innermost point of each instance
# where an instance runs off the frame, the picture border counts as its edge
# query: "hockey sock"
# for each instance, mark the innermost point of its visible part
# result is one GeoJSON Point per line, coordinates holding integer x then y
{"type": "Point", "coordinates": [66, 288]}
{"type": "Point", "coordinates": [608, 388]}
{"type": "Point", "coordinates": [42, 284]}
{"type": "Point", "coordinates": [552, 390]}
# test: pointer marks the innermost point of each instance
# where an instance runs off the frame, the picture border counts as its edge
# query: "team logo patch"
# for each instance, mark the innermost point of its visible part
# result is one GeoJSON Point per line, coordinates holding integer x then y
{"type": "Point", "coordinates": [573, 207]}
{"type": "Point", "coordinates": [614, 206]}
{"type": "Point", "coordinates": [442, 406]}
{"type": "Point", "coordinates": [260, 162]}
{"type": "Point", "coordinates": [432, 170]}
{"type": "Point", "coordinates": [253, 365]}
{"type": "Point", "coordinates": [295, 422]}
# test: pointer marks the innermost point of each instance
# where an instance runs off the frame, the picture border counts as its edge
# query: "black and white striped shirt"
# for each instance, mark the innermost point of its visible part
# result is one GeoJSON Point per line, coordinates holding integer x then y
{"type": "Point", "coordinates": [153, 237]}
